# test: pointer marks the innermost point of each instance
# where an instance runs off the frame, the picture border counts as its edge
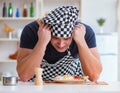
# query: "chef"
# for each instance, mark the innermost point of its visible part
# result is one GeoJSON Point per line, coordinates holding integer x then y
{"type": "Point", "coordinates": [60, 45]}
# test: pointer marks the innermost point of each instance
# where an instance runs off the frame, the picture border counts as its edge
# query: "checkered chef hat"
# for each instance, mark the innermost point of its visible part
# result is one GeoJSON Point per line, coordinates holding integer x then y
{"type": "Point", "coordinates": [62, 21]}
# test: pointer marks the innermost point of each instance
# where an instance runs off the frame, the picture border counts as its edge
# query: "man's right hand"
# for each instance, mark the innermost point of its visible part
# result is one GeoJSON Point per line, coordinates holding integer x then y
{"type": "Point", "coordinates": [44, 34]}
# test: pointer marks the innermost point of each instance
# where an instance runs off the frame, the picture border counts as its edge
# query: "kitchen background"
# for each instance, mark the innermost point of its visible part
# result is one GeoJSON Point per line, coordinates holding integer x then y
{"type": "Point", "coordinates": [90, 12]}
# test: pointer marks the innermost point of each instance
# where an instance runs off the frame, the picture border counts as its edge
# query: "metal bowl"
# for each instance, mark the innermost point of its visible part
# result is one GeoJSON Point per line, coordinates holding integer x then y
{"type": "Point", "coordinates": [10, 81]}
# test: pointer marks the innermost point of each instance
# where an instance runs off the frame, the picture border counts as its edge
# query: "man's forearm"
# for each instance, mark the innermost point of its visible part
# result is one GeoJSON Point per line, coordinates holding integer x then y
{"type": "Point", "coordinates": [27, 64]}
{"type": "Point", "coordinates": [90, 61]}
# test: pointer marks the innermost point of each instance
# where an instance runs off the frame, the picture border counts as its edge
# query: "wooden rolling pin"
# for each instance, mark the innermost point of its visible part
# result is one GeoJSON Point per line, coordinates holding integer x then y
{"type": "Point", "coordinates": [39, 21]}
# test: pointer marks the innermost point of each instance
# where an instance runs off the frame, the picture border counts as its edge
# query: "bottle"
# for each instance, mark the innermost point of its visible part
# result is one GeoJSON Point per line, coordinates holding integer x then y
{"type": "Point", "coordinates": [17, 13]}
{"type": "Point", "coordinates": [31, 10]}
{"type": "Point", "coordinates": [10, 10]}
{"type": "Point", "coordinates": [4, 10]}
{"type": "Point", "coordinates": [25, 11]}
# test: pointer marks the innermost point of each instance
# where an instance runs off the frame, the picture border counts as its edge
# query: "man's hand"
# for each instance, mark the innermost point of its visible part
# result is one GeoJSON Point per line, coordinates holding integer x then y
{"type": "Point", "coordinates": [79, 33]}
{"type": "Point", "coordinates": [44, 34]}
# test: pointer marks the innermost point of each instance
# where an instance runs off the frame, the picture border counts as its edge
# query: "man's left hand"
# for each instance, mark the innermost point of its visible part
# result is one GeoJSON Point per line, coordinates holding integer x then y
{"type": "Point", "coordinates": [79, 33]}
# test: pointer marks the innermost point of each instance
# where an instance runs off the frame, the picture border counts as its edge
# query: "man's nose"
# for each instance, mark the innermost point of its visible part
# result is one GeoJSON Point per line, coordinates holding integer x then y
{"type": "Point", "coordinates": [61, 43]}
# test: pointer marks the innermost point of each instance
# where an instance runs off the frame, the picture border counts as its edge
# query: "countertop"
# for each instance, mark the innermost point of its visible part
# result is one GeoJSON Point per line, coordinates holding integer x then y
{"type": "Point", "coordinates": [29, 87]}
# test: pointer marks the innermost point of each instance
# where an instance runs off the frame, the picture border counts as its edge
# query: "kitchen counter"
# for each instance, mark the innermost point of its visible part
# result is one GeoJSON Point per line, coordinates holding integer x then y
{"type": "Point", "coordinates": [29, 87]}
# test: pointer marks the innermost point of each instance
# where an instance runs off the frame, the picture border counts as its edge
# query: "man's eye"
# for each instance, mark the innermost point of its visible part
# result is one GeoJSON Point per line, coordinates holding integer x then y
{"type": "Point", "coordinates": [67, 38]}
{"type": "Point", "coordinates": [55, 37]}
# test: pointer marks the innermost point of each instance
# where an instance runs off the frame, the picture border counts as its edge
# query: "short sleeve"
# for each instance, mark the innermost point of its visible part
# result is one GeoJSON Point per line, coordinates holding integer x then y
{"type": "Point", "coordinates": [90, 37]}
{"type": "Point", "coordinates": [29, 36]}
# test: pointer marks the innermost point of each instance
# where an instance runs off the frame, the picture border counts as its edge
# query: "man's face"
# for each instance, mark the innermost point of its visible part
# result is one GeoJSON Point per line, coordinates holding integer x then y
{"type": "Point", "coordinates": [61, 44]}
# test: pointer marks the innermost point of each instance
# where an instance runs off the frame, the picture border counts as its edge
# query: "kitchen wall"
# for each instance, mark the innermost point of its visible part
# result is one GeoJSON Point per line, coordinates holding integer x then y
{"type": "Point", "coordinates": [94, 9]}
{"type": "Point", "coordinates": [118, 28]}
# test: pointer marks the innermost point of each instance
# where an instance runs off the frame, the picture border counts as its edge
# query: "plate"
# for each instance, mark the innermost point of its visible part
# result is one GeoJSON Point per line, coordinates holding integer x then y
{"type": "Point", "coordinates": [68, 81]}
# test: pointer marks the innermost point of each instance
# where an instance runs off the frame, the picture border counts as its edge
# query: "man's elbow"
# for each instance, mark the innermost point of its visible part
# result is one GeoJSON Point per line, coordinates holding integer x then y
{"type": "Point", "coordinates": [23, 77]}
{"type": "Point", "coordinates": [94, 77]}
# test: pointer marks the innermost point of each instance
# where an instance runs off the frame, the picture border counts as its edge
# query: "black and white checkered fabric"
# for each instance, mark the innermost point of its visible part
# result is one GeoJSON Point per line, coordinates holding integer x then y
{"type": "Point", "coordinates": [66, 65]}
{"type": "Point", "coordinates": [62, 21]}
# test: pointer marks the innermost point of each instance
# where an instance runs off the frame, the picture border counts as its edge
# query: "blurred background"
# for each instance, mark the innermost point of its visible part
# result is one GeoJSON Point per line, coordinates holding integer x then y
{"type": "Point", "coordinates": [102, 15]}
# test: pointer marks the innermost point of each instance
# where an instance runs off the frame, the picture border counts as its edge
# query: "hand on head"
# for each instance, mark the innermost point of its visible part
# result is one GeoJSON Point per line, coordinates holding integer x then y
{"type": "Point", "coordinates": [79, 32]}
{"type": "Point", "coordinates": [44, 33]}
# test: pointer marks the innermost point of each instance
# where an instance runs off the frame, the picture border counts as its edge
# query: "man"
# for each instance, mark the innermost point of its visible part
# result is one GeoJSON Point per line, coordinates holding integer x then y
{"type": "Point", "coordinates": [56, 44]}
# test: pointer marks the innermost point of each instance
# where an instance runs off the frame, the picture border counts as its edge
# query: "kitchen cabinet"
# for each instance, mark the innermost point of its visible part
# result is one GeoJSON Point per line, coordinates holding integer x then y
{"type": "Point", "coordinates": [9, 46]}
{"type": "Point", "coordinates": [107, 44]}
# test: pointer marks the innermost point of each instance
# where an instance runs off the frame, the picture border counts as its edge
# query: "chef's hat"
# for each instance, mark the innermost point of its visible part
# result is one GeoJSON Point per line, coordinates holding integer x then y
{"type": "Point", "coordinates": [62, 21]}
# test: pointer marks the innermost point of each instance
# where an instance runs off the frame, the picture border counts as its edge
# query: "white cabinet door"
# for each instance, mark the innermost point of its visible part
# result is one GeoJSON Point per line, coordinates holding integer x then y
{"type": "Point", "coordinates": [110, 68]}
{"type": "Point", "coordinates": [107, 43]}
